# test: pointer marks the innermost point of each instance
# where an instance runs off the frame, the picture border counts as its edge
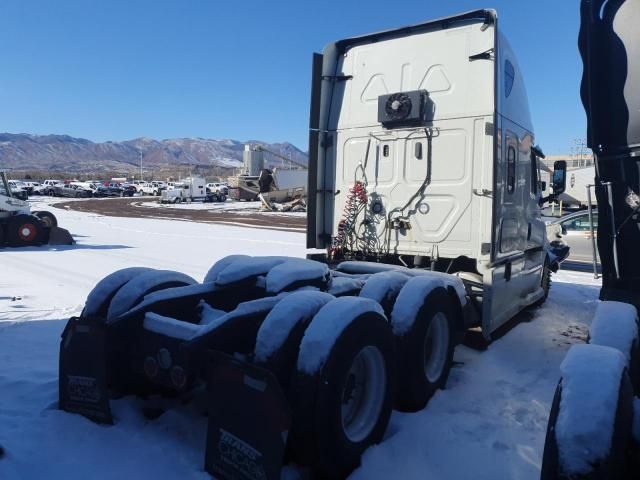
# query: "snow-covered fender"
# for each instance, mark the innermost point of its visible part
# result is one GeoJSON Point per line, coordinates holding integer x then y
{"type": "Point", "coordinates": [415, 291]}
{"type": "Point", "coordinates": [278, 339]}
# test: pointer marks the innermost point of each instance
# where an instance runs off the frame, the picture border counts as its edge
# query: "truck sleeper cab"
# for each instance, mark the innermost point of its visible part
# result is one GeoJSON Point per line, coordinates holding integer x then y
{"type": "Point", "coordinates": [422, 153]}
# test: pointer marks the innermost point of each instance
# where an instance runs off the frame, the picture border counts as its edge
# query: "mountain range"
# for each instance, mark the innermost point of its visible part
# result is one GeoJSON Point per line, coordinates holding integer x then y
{"type": "Point", "coordinates": [63, 153]}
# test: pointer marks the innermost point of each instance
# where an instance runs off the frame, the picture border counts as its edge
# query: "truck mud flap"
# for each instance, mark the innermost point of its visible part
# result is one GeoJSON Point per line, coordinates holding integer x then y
{"type": "Point", "coordinates": [249, 420]}
{"type": "Point", "coordinates": [59, 236]}
{"type": "Point", "coordinates": [83, 371]}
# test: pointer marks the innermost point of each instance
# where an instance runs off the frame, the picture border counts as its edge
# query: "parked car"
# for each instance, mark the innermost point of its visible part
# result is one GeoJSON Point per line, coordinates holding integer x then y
{"type": "Point", "coordinates": [574, 230]}
{"type": "Point", "coordinates": [149, 189]}
{"type": "Point", "coordinates": [88, 187]}
{"type": "Point", "coordinates": [218, 187]}
{"type": "Point", "coordinates": [18, 189]}
{"type": "Point", "coordinates": [108, 191]}
{"type": "Point", "coordinates": [50, 186]}
{"type": "Point", "coordinates": [113, 190]}
{"type": "Point", "coordinates": [69, 190]}
{"type": "Point", "coordinates": [35, 188]}
{"type": "Point", "coordinates": [129, 190]}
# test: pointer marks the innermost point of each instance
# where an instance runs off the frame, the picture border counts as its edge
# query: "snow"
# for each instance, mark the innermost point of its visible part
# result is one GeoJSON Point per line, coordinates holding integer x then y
{"type": "Point", "coordinates": [169, 293]}
{"type": "Point", "coordinates": [285, 274]}
{"type": "Point", "coordinates": [383, 284]}
{"type": "Point", "coordinates": [170, 327]}
{"type": "Point", "coordinates": [590, 384]}
{"type": "Point", "coordinates": [244, 268]}
{"type": "Point", "coordinates": [410, 300]}
{"type": "Point", "coordinates": [245, 308]}
{"type": "Point", "coordinates": [216, 268]}
{"type": "Point", "coordinates": [285, 315]}
{"type": "Point", "coordinates": [107, 286]}
{"type": "Point", "coordinates": [494, 410]}
{"type": "Point", "coordinates": [448, 281]}
{"type": "Point", "coordinates": [342, 285]}
{"type": "Point", "coordinates": [615, 325]}
{"type": "Point", "coordinates": [445, 279]}
{"type": "Point", "coordinates": [355, 268]}
{"type": "Point", "coordinates": [326, 327]}
{"type": "Point", "coordinates": [127, 296]}
{"type": "Point", "coordinates": [208, 314]}
{"type": "Point", "coordinates": [231, 206]}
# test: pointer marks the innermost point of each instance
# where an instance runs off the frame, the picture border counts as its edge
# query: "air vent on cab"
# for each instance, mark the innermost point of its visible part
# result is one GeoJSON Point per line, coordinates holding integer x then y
{"type": "Point", "coordinates": [403, 108]}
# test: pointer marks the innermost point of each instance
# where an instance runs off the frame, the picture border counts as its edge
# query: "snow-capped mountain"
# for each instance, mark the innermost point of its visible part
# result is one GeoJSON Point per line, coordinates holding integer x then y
{"type": "Point", "coordinates": [65, 153]}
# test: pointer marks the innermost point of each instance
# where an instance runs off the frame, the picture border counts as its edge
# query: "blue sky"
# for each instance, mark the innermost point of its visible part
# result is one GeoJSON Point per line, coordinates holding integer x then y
{"type": "Point", "coordinates": [116, 69]}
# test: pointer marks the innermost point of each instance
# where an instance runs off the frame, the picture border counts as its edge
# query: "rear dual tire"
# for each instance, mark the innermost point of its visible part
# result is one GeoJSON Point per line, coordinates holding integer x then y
{"type": "Point", "coordinates": [345, 408]}
{"type": "Point", "coordinates": [426, 352]}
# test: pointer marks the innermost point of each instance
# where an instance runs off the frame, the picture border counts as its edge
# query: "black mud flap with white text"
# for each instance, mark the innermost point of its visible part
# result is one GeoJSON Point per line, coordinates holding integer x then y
{"type": "Point", "coordinates": [82, 378]}
{"type": "Point", "coordinates": [249, 420]}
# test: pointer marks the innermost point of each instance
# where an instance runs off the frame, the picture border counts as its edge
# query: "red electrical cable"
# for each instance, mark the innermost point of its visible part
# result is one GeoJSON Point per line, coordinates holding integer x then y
{"type": "Point", "coordinates": [356, 198]}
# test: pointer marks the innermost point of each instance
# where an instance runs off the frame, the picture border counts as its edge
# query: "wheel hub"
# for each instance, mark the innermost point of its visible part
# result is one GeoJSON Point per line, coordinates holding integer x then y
{"type": "Point", "coordinates": [436, 347]}
{"type": "Point", "coordinates": [27, 232]}
{"type": "Point", "coordinates": [363, 393]}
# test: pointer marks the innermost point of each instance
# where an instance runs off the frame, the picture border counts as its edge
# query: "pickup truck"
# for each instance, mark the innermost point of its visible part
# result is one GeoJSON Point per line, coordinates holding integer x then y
{"type": "Point", "coordinates": [50, 185]}
{"type": "Point", "coordinates": [18, 189]}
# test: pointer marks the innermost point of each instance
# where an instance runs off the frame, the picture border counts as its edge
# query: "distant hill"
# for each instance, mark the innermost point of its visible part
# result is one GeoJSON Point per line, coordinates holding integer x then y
{"type": "Point", "coordinates": [68, 154]}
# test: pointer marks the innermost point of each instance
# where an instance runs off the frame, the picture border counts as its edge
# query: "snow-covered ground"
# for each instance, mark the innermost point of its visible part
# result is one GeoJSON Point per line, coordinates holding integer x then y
{"type": "Point", "coordinates": [236, 207]}
{"type": "Point", "coordinates": [489, 423]}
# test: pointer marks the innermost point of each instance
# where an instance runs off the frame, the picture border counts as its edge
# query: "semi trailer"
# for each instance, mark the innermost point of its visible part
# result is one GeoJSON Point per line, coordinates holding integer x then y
{"type": "Point", "coordinates": [424, 194]}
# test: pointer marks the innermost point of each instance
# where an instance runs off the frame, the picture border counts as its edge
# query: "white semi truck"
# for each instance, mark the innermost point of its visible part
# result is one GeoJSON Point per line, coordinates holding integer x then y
{"type": "Point", "coordinates": [424, 193]}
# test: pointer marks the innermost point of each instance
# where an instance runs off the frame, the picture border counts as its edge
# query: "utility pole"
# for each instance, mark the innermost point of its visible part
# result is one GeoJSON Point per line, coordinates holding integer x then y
{"type": "Point", "coordinates": [579, 151]}
{"type": "Point", "coordinates": [140, 151]}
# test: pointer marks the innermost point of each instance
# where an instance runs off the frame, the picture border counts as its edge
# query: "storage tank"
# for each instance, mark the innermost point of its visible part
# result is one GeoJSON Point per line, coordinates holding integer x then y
{"type": "Point", "coordinates": [253, 160]}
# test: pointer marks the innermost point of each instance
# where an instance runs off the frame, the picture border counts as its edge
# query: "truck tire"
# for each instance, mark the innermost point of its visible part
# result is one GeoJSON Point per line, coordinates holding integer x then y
{"type": "Point", "coordinates": [100, 297]}
{"type": "Point", "coordinates": [222, 198]}
{"type": "Point", "coordinates": [24, 230]}
{"type": "Point", "coordinates": [344, 408]}
{"type": "Point", "coordinates": [545, 282]}
{"type": "Point", "coordinates": [48, 219]}
{"type": "Point", "coordinates": [425, 351]}
{"type": "Point", "coordinates": [134, 291]}
{"type": "Point", "coordinates": [616, 464]}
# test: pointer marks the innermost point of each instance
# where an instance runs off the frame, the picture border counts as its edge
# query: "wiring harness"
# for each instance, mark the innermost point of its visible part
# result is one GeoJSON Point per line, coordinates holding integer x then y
{"type": "Point", "coordinates": [356, 202]}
